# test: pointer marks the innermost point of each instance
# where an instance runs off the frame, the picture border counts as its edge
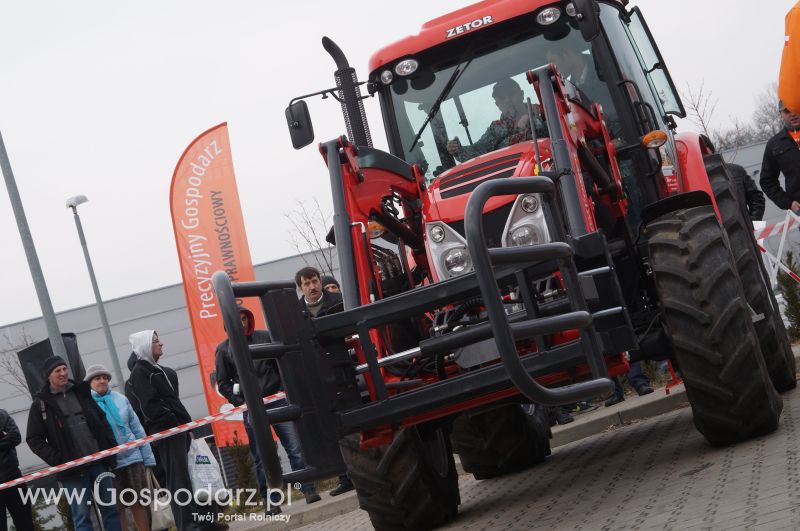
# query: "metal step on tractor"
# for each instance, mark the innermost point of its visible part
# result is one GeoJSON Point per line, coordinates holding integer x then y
{"type": "Point", "coordinates": [536, 225]}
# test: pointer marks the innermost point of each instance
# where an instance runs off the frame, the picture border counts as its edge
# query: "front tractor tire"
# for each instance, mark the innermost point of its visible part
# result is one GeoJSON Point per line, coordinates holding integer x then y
{"type": "Point", "coordinates": [411, 483]}
{"type": "Point", "coordinates": [707, 317]}
{"type": "Point", "coordinates": [502, 439]}
{"type": "Point", "coordinates": [768, 324]}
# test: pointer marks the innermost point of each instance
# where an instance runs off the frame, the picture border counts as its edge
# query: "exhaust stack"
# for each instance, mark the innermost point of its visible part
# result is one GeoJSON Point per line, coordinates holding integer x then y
{"type": "Point", "coordinates": [355, 118]}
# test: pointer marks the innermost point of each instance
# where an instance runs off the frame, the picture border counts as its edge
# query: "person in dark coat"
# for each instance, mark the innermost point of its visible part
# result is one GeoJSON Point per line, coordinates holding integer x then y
{"type": "Point", "coordinates": [747, 193]}
{"type": "Point", "coordinates": [153, 393]}
{"type": "Point", "coordinates": [65, 423]}
{"type": "Point", "coordinates": [270, 381]}
{"type": "Point", "coordinates": [11, 498]}
{"type": "Point", "coordinates": [782, 155]}
{"type": "Point", "coordinates": [315, 300]}
{"type": "Point", "coordinates": [322, 296]}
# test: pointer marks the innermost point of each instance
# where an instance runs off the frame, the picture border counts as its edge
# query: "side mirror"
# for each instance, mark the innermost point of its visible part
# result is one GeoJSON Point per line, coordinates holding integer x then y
{"type": "Point", "coordinates": [588, 16]}
{"type": "Point", "coordinates": [299, 121]}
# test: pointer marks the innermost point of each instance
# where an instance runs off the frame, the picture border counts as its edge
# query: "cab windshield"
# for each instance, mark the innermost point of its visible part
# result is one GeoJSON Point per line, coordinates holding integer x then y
{"type": "Point", "coordinates": [484, 92]}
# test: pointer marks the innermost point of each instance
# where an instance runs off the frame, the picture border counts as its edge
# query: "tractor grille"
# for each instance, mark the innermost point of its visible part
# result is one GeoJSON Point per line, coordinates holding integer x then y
{"type": "Point", "coordinates": [475, 175]}
{"type": "Point", "coordinates": [493, 224]}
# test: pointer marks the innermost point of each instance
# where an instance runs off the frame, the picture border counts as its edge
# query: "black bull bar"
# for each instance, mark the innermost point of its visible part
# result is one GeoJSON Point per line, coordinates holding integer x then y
{"type": "Point", "coordinates": [319, 376]}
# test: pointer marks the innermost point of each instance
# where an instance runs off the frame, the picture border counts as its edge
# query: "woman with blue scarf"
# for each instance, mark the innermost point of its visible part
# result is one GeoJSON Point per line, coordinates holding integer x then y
{"type": "Point", "coordinates": [130, 471]}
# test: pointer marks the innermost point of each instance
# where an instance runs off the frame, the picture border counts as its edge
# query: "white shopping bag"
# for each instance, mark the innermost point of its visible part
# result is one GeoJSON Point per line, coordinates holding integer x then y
{"type": "Point", "coordinates": [160, 510]}
{"type": "Point", "coordinates": [207, 480]}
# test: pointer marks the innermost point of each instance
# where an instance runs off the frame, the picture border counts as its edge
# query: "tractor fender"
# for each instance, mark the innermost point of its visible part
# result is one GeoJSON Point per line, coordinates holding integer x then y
{"type": "Point", "coordinates": [675, 202]}
{"type": "Point", "coordinates": [692, 166]}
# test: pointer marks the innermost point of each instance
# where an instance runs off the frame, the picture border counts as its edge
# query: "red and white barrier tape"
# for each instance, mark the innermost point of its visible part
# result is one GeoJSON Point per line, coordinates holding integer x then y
{"type": "Point", "coordinates": [134, 444]}
{"type": "Point", "coordinates": [774, 229]}
{"type": "Point", "coordinates": [780, 264]}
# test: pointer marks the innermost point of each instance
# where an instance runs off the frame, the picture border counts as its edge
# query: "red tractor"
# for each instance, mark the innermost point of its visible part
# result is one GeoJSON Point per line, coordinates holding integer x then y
{"type": "Point", "coordinates": [536, 225]}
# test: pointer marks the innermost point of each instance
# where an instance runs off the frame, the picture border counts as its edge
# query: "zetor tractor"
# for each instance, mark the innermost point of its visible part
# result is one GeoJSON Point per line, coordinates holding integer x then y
{"type": "Point", "coordinates": [516, 269]}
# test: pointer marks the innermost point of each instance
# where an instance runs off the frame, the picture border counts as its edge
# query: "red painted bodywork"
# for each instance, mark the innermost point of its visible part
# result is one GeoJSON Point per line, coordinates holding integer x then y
{"type": "Point", "coordinates": [693, 169]}
{"type": "Point", "coordinates": [365, 187]}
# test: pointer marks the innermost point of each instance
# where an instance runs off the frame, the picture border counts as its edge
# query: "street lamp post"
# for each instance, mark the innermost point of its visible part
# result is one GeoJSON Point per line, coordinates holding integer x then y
{"type": "Point", "coordinates": [73, 203]}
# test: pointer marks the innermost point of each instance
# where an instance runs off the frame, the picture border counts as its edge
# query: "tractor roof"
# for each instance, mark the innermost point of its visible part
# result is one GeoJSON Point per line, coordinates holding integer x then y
{"type": "Point", "coordinates": [454, 25]}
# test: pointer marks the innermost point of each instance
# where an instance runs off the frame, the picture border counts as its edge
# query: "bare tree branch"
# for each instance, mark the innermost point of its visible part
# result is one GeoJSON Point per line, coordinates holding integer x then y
{"type": "Point", "coordinates": [700, 106]}
{"type": "Point", "coordinates": [766, 118]}
{"type": "Point", "coordinates": [310, 226]}
{"type": "Point", "coordinates": [10, 369]}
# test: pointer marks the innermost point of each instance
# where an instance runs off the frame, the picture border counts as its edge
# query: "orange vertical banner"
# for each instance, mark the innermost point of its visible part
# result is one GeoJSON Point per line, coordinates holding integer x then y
{"type": "Point", "coordinates": [789, 78]}
{"type": "Point", "coordinates": [210, 236]}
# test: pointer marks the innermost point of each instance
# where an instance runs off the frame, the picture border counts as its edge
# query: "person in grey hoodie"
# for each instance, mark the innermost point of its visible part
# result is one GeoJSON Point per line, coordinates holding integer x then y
{"type": "Point", "coordinates": [130, 472]}
{"type": "Point", "coordinates": [153, 391]}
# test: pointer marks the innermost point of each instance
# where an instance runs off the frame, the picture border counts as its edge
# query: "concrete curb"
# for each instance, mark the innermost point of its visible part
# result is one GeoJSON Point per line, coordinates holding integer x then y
{"type": "Point", "coordinates": [635, 408]}
{"type": "Point", "coordinates": [585, 425]}
{"type": "Point", "coordinates": [323, 510]}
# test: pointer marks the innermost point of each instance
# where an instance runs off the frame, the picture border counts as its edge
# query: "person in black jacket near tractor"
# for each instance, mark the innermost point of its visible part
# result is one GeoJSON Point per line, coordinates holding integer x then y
{"type": "Point", "coordinates": [315, 300]}
{"type": "Point", "coordinates": [65, 423]}
{"type": "Point", "coordinates": [322, 296]}
{"type": "Point", "coordinates": [782, 155]}
{"type": "Point", "coordinates": [270, 380]}
{"type": "Point", "coordinates": [10, 498]}
{"type": "Point", "coordinates": [747, 193]}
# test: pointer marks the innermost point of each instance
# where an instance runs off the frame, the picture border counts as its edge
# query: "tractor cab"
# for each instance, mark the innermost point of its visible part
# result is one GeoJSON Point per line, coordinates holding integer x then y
{"type": "Point", "coordinates": [438, 99]}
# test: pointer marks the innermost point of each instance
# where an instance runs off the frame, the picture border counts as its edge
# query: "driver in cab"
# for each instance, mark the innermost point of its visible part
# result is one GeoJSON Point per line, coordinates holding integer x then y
{"type": "Point", "coordinates": [512, 128]}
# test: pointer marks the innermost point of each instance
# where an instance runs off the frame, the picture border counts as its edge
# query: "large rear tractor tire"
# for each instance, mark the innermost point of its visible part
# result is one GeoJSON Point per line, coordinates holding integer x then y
{"type": "Point", "coordinates": [501, 439]}
{"type": "Point", "coordinates": [770, 330]}
{"type": "Point", "coordinates": [708, 319]}
{"type": "Point", "coordinates": [409, 484]}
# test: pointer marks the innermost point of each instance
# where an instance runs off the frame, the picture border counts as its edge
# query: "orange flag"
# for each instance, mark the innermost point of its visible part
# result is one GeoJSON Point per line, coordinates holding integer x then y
{"type": "Point", "coordinates": [209, 233]}
{"type": "Point", "coordinates": [789, 79]}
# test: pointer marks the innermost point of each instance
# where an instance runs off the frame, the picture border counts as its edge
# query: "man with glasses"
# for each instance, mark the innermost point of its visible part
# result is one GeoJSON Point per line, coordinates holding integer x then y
{"type": "Point", "coordinates": [782, 155]}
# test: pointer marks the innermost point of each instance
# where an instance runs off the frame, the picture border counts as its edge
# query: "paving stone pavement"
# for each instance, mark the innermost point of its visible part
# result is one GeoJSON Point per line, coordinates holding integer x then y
{"type": "Point", "coordinates": [658, 473]}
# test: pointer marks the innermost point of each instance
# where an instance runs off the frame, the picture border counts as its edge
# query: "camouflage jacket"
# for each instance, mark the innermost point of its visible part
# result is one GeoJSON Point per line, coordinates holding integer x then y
{"type": "Point", "coordinates": [501, 133]}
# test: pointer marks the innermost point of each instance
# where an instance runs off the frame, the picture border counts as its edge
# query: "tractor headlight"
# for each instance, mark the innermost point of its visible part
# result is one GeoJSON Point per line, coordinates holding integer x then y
{"type": "Point", "coordinates": [406, 67]}
{"type": "Point", "coordinates": [523, 235]}
{"type": "Point", "coordinates": [387, 77]}
{"type": "Point", "coordinates": [529, 203]}
{"type": "Point", "coordinates": [437, 233]}
{"type": "Point", "coordinates": [548, 15]}
{"type": "Point", "coordinates": [448, 251]}
{"type": "Point", "coordinates": [457, 261]}
{"type": "Point", "coordinates": [526, 224]}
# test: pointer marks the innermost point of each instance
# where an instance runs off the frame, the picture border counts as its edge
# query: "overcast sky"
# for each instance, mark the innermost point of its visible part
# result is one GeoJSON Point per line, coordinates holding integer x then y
{"type": "Point", "coordinates": [101, 98]}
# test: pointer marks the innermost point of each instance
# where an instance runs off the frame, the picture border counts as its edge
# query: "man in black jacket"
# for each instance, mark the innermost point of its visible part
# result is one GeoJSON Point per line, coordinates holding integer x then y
{"type": "Point", "coordinates": [747, 193]}
{"type": "Point", "coordinates": [153, 392]}
{"type": "Point", "coordinates": [315, 300]}
{"type": "Point", "coordinates": [782, 155]}
{"type": "Point", "coordinates": [10, 498]}
{"type": "Point", "coordinates": [65, 423]}
{"type": "Point", "coordinates": [270, 380]}
{"type": "Point", "coordinates": [322, 296]}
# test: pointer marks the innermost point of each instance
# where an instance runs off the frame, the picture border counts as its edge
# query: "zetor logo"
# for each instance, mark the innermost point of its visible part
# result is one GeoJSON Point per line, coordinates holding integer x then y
{"type": "Point", "coordinates": [469, 26]}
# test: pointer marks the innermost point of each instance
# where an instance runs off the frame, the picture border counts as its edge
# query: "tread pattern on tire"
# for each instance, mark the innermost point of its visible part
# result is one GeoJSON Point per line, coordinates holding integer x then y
{"type": "Point", "coordinates": [501, 439]}
{"type": "Point", "coordinates": [712, 331]}
{"type": "Point", "coordinates": [773, 339]}
{"type": "Point", "coordinates": [397, 484]}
